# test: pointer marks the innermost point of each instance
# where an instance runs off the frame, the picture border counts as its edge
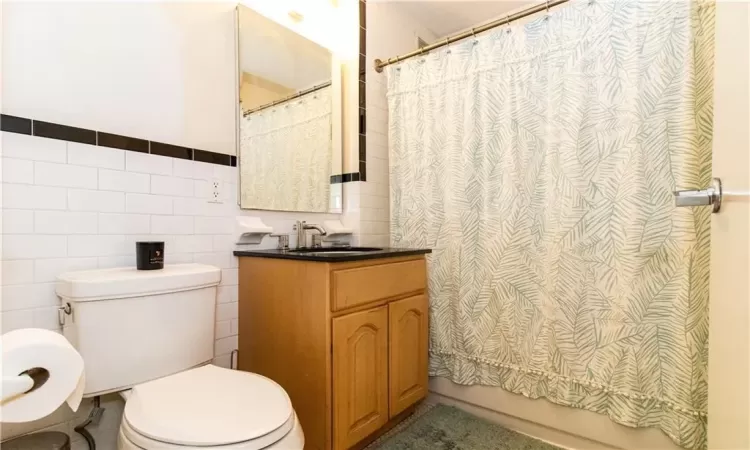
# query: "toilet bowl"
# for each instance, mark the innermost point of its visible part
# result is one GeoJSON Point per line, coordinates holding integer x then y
{"type": "Point", "coordinates": [209, 407]}
{"type": "Point", "coordinates": [150, 334]}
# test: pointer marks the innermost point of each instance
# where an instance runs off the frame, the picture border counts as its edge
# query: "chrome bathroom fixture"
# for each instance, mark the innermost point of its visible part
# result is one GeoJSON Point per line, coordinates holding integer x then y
{"type": "Point", "coordinates": [714, 196]}
{"type": "Point", "coordinates": [380, 64]}
{"type": "Point", "coordinates": [700, 197]}
{"type": "Point", "coordinates": [301, 228]}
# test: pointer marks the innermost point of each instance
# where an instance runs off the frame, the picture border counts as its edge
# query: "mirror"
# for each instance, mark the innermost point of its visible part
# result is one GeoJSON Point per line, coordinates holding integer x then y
{"type": "Point", "coordinates": [289, 147]}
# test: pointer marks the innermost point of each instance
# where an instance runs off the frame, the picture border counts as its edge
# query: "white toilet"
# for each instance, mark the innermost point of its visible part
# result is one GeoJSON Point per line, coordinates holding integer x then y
{"type": "Point", "coordinates": [150, 336]}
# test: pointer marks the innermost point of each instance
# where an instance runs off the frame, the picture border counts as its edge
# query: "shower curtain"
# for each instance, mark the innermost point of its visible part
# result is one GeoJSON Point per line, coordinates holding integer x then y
{"type": "Point", "coordinates": [538, 162]}
{"type": "Point", "coordinates": [285, 155]}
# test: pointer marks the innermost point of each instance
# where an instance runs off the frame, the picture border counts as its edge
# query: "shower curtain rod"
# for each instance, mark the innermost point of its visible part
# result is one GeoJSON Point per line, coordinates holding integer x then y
{"type": "Point", "coordinates": [286, 99]}
{"type": "Point", "coordinates": [379, 64]}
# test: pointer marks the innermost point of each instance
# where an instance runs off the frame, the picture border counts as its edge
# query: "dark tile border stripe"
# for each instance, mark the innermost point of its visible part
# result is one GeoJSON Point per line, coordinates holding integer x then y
{"type": "Point", "coordinates": [362, 113]}
{"type": "Point", "coordinates": [63, 132]}
{"type": "Point", "coordinates": [121, 142]}
{"type": "Point", "coordinates": [173, 151]}
{"type": "Point", "coordinates": [211, 157]}
{"type": "Point", "coordinates": [50, 130]}
{"type": "Point", "coordinates": [15, 124]}
{"type": "Point", "coordinates": [346, 178]}
{"type": "Point", "coordinates": [21, 125]}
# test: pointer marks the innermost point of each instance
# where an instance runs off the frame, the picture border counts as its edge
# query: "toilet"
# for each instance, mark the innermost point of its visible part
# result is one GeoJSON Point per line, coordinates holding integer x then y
{"type": "Point", "coordinates": [149, 335]}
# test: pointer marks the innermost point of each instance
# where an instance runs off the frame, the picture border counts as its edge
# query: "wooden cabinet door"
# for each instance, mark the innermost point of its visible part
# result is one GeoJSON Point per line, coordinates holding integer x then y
{"type": "Point", "coordinates": [408, 322]}
{"type": "Point", "coordinates": [360, 375]}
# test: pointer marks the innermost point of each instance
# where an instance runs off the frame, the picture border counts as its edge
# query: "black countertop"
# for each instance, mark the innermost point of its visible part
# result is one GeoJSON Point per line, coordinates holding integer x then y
{"type": "Point", "coordinates": [332, 257]}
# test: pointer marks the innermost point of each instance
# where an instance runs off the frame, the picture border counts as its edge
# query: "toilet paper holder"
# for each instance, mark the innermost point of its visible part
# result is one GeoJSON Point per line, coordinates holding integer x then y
{"type": "Point", "coordinates": [25, 382]}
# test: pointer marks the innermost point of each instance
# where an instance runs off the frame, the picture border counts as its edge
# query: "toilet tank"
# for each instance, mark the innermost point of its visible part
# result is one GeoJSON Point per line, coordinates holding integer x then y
{"type": "Point", "coordinates": [133, 326]}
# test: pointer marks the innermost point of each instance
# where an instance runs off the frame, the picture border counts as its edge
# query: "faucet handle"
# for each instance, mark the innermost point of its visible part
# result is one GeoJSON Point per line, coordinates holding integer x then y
{"type": "Point", "coordinates": [283, 241]}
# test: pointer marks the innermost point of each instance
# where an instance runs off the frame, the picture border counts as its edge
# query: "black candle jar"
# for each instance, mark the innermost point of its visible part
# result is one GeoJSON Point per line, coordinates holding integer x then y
{"type": "Point", "coordinates": [149, 255]}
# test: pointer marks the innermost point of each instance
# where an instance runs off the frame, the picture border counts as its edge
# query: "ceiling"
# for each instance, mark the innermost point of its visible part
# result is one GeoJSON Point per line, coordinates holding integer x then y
{"type": "Point", "coordinates": [444, 18]}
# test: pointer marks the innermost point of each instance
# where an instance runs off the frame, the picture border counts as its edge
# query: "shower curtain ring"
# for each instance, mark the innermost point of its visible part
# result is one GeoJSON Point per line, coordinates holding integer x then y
{"type": "Point", "coordinates": [546, 5]}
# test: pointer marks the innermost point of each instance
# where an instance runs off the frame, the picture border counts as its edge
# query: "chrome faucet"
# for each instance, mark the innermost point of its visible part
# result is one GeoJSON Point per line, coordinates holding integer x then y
{"type": "Point", "coordinates": [283, 243]}
{"type": "Point", "coordinates": [301, 228]}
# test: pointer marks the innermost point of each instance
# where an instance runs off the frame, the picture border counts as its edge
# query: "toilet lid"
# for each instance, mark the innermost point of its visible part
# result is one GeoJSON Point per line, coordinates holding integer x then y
{"type": "Point", "coordinates": [208, 406]}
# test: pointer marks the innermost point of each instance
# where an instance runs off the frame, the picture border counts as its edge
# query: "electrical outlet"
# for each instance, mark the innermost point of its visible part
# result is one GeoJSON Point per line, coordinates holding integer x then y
{"type": "Point", "coordinates": [216, 194]}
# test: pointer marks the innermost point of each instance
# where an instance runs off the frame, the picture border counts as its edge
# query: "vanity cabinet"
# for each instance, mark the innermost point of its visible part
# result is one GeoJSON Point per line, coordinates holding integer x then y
{"type": "Point", "coordinates": [407, 344]}
{"type": "Point", "coordinates": [346, 340]}
{"type": "Point", "coordinates": [360, 375]}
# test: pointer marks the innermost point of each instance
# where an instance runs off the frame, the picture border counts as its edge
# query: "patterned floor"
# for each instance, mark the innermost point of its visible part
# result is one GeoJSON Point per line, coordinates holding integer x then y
{"type": "Point", "coordinates": [441, 427]}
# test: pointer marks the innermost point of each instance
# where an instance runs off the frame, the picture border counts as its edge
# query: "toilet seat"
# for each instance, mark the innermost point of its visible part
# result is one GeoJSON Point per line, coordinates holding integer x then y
{"type": "Point", "coordinates": [129, 439]}
{"type": "Point", "coordinates": [208, 407]}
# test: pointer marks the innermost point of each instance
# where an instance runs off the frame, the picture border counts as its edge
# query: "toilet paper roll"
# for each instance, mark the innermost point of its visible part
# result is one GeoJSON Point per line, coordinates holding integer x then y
{"type": "Point", "coordinates": [34, 348]}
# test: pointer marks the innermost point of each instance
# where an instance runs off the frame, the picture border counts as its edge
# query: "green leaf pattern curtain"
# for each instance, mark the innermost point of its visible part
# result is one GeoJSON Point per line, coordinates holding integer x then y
{"type": "Point", "coordinates": [285, 155]}
{"type": "Point", "coordinates": [538, 162]}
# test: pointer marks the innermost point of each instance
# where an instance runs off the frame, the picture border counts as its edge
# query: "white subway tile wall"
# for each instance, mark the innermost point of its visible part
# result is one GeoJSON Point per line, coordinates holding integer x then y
{"type": "Point", "coordinates": [18, 170]}
{"type": "Point", "coordinates": [180, 187]}
{"type": "Point", "coordinates": [23, 196]}
{"type": "Point", "coordinates": [30, 147]}
{"type": "Point", "coordinates": [93, 156]}
{"type": "Point", "coordinates": [117, 180]}
{"type": "Point", "coordinates": [70, 206]}
{"type": "Point", "coordinates": [147, 163]}
{"type": "Point", "coordinates": [99, 201]}
{"type": "Point", "coordinates": [399, 36]}
{"type": "Point", "coordinates": [64, 175]}
{"type": "Point", "coordinates": [148, 204]}
{"type": "Point", "coordinates": [64, 222]}
{"type": "Point", "coordinates": [17, 221]}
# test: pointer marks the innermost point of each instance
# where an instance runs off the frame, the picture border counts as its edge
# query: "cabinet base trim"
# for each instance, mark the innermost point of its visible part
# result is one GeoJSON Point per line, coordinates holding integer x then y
{"type": "Point", "coordinates": [404, 415]}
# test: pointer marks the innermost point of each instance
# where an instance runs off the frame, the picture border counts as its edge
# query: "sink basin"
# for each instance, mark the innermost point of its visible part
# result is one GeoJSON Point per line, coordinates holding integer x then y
{"type": "Point", "coordinates": [335, 250]}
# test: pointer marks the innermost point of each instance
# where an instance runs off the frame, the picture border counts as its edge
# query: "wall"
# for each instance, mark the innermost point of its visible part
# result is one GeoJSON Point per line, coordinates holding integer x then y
{"type": "Point", "coordinates": [389, 33]}
{"type": "Point", "coordinates": [160, 71]}
{"type": "Point", "coordinates": [729, 318]}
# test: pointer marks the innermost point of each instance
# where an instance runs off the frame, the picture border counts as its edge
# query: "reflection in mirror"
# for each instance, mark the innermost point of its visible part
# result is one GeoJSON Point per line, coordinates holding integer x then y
{"type": "Point", "coordinates": [286, 136]}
